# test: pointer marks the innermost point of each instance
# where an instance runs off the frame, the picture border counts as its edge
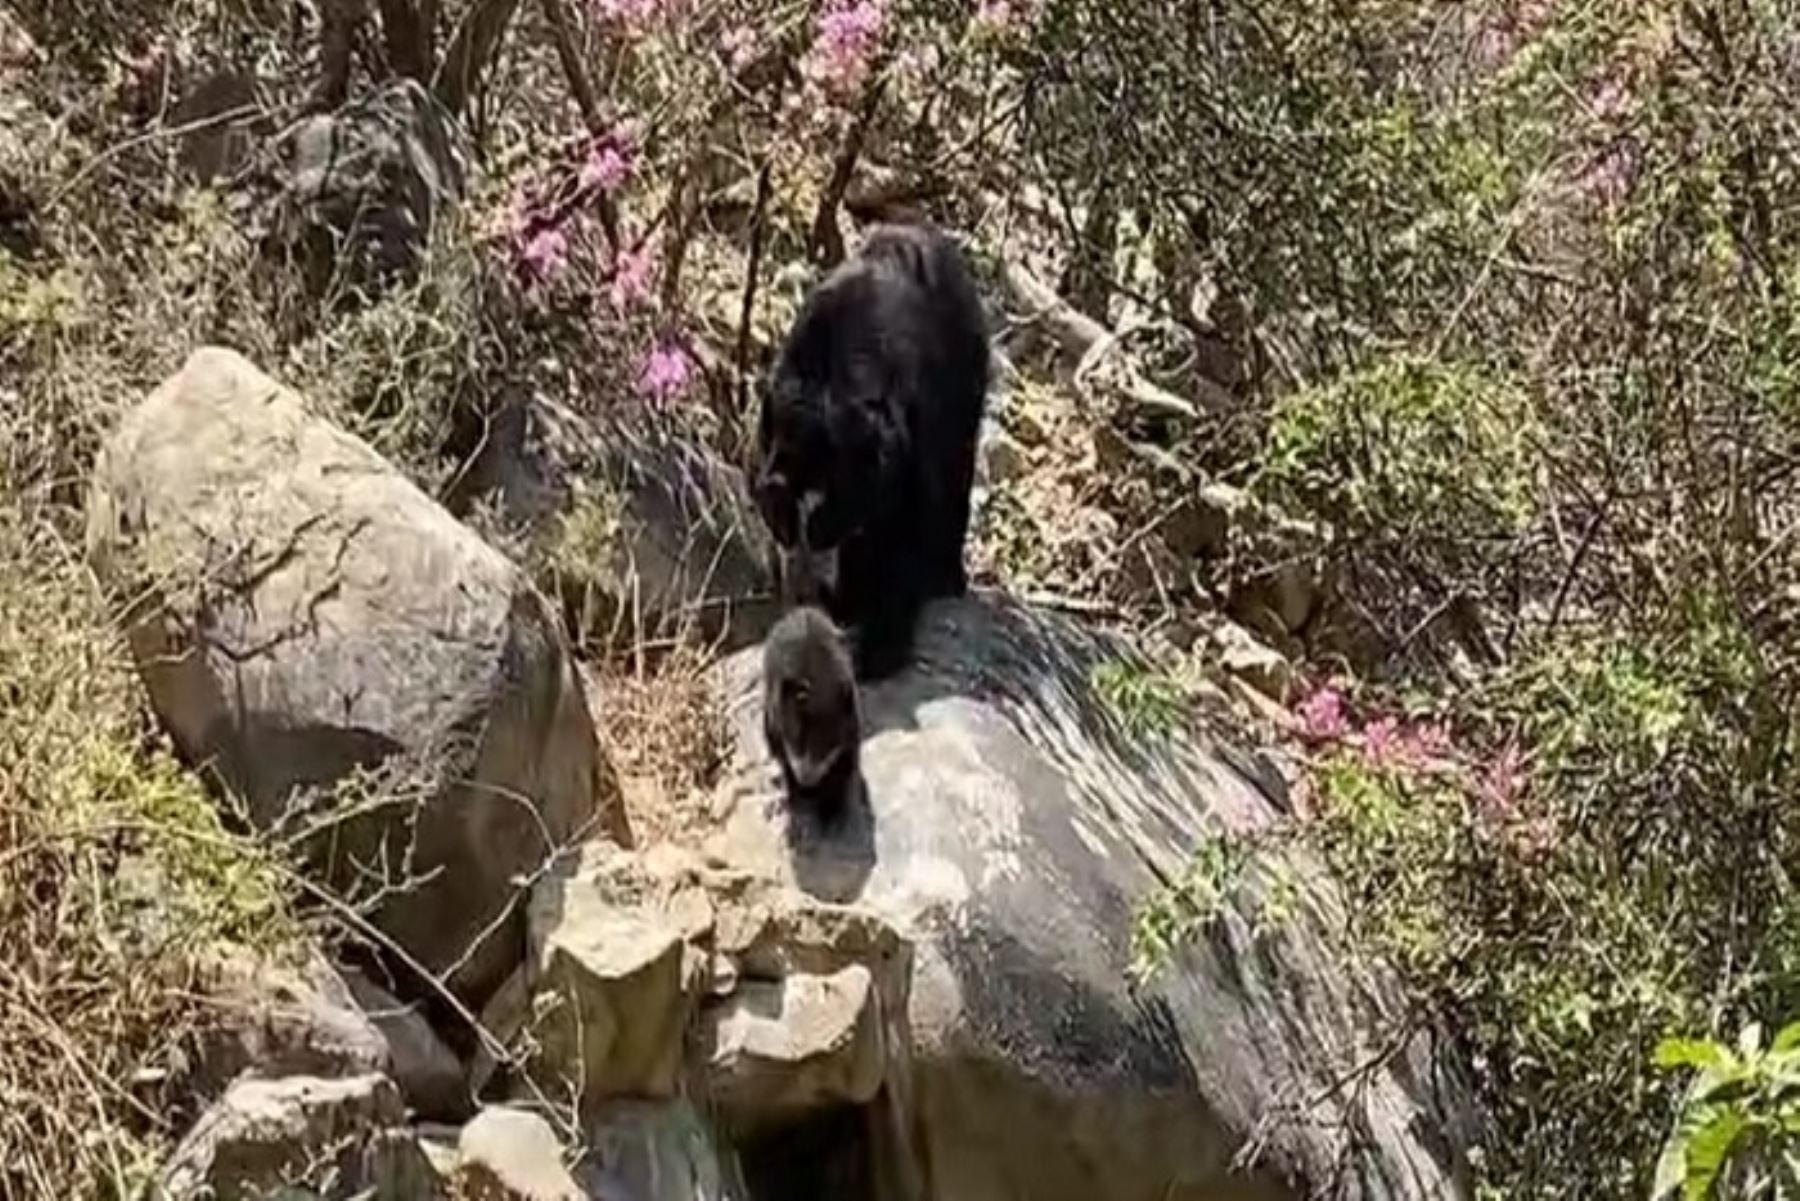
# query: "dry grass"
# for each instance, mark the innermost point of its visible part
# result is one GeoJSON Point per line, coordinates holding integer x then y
{"type": "Point", "coordinates": [117, 884]}
{"type": "Point", "coordinates": [660, 724]}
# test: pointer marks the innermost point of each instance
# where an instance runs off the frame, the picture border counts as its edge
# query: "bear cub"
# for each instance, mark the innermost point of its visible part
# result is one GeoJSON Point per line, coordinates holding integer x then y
{"type": "Point", "coordinates": [812, 718]}
{"type": "Point", "coordinates": [867, 439]}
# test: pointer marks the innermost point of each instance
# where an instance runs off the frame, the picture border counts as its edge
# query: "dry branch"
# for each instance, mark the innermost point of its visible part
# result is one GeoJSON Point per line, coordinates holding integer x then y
{"type": "Point", "coordinates": [593, 113]}
{"type": "Point", "coordinates": [1084, 341]}
{"type": "Point", "coordinates": [827, 242]}
{"type": "Point", "coordinates": [339, 21]}
{"type": "Point", "coordinates": [472, 47]}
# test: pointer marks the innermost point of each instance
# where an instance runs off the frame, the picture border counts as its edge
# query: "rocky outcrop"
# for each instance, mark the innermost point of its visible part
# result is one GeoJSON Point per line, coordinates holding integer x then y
{"type": "Point", "coordinates": [366, 182]}
{"type": "Point", "coordinates": [1010, 829]}
{"type": "Point", "coordinates": [304, 614]}
{"type": "Point", "coordinates": [793, 1003]}
{"type": "Point", "coordinates": [936, 997]}
{"type": "Point", "coordinates": [332, 1138]}
{"type": "Point", "coordinates": [512, 1155]}
{"type": "Point", "coordinates": [645, 531]}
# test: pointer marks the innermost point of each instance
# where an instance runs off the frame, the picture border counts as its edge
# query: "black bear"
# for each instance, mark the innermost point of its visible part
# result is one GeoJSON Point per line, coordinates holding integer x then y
{"type": "Point", "coordinates": [811, 715]}
{"type": "Point", "coordinates": [866, 444]}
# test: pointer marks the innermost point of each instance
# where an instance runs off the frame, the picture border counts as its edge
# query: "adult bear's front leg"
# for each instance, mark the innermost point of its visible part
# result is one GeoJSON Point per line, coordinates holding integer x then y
{"type": "Point", "coordinates": [889, 615]}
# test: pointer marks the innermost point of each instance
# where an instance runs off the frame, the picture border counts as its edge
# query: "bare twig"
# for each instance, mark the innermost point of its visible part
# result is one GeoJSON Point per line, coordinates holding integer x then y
{"type": "Point", "coordinates": [472, 47]}
{"type": "Point", "coordinates": [753, 269]}
{"type": "Point", "coordinates": [593, 114]}
{"type": "Point", "coordinates": [827, 242]}
{"type": "Point", "coordinates": [338, 23]}
{"type": "Point", "coordinates": [1085, 341]}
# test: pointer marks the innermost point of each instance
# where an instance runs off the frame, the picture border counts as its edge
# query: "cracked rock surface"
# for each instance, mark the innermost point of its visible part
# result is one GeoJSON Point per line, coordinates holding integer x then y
{"type": "Point", "coordinates": [304, 612]}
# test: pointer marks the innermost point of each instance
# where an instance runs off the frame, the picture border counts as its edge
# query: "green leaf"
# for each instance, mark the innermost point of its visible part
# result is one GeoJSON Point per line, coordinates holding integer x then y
{"type": "Point", "coordinates": [1787, 1040]}
{"type": "Point", "coordinates": [1707, 1150]}
{"type": "Point", "coordinates": [1692, 1053]}
{"type": "Point", "coordinates": [1671, 1169]}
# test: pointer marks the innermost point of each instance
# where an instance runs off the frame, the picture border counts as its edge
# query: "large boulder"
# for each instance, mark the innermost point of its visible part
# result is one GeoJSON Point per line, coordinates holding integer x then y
{"type": "Point", "coordinates": [366, 183]}
{"type": "Point", "coordinates": [1012, 827]}
{"type": "Point", "coordinates": [301, 613]}
{"type": "Point", "coordinates": [645, 531]}
{"type": "Point", "coordinates": [657, 1151]}
{"type": "Point", "coordinates": [301, 1136]}
{"type": "Point", "coordinates": [273, 1018]}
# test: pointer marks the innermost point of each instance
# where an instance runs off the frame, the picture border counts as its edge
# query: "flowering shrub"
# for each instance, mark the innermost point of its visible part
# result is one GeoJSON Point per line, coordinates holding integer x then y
{"type": "Point", "coordinates": [848, 33]}
{"type": "Point", "coordinates": [667, 371]}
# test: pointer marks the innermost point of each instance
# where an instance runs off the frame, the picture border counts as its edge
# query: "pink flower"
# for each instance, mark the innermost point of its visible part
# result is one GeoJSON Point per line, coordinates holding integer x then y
{"type": "Point", "coordinates": [740, 46]}
{"type": "Point", "coordinates": [1382, 742]}
{"type": "Point", "coordinates": [1322, 715]}
{"type": "Point", "coordinates": [848, 33]}
{"type": "Point", "coordinates": [1424, 742]}
{"type": "Point", "coordinates": [1610, 98]}
{"type": "Point", "coordinates": [629, 13]}
{"type": "Point", "coordinates": [1609, 178]}
{"type": "Point", "coordinates": [666, 371]}
{"type": "Point", "coordinates": [633, 275]}
{"type": "Point", "coordinates": [607, 165]}
{"type": "Point", "coordinates": [1388, 743]}
{"type": "Point", "coordinates": [997, 16]}
{"type": "Point", "coordinates": [1502, 783]}
{"type": "Point", "coordinates": [544, 253]}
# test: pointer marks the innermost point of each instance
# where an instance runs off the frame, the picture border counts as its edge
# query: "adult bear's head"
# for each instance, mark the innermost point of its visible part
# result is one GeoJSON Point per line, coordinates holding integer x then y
{"type": "Point", "coordinates": [831, 429]}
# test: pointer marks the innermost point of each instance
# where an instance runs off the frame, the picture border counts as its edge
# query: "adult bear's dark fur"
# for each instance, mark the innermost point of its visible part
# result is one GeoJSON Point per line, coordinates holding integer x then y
{"type": "Point", "coordinates": [867, 438]}
{"type": "Point", "coordinates": [811, 716]}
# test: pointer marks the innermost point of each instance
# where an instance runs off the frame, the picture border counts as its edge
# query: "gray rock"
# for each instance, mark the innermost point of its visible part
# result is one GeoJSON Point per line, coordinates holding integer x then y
{"type": "Point", "coordinates": [657, 1151]}
{"type": "Point", "coordinates": [305, 615]}
{"type": "Point", "coordinates": [1262, 667]}
{"type": "Point", "coordinates": [366, 182]}
{"type": "Point", "coordinates": [276, 1019]}
{"type": "Point", "coordinates": [507, 1154]}
{"type": "Point", "coordinates": [684, 549]}
{"type": "Point", "coordinates": [1011, 828]}
{"type": "Point", "coordinates": [799, 1043]}
{"type": "Point", "coordinates": [801, 1003]}
{"type": "Point", "coordinates": [429, 1074]}
{"type": "Point", "coordinates": [303, 1135]}
{"type": "Point", "coordinates": [615, 979]}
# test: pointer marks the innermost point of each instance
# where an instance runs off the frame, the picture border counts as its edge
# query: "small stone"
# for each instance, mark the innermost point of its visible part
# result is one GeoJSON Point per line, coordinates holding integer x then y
{"type": "Point", "coordinates": [802, 1043]}
{"type": "Point", "coordinates": [1002, 457]}
{"type": "Point", "coordinates": [507, 1154]}
{"type": "Point", "coordinates": [293, 1131]}
{"type": "Point", "coordinates": [1258, 665]}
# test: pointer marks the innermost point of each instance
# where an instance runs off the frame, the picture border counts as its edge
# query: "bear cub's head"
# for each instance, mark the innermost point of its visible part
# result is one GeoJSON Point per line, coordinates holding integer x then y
{"type": "Point", "coordinates": [811, 713]}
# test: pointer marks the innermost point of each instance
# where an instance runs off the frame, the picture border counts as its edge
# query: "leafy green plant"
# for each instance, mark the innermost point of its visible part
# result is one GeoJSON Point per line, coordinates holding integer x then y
{"type": "Point", "coordinates": [1407, 448]}
{"type": "Point", "coordinates": [1738, 1130]}
{"type": "Point", "coordinates": [1145, 701]}
{"type": "Point", "coordinates": [1174, 913]}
